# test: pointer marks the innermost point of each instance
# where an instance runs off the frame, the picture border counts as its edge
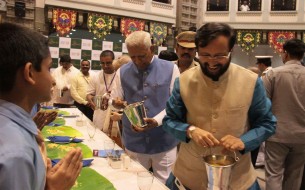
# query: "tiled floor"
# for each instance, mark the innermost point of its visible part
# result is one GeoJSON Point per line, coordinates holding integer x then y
{"type": "Point", "coordinates": [261, 177]}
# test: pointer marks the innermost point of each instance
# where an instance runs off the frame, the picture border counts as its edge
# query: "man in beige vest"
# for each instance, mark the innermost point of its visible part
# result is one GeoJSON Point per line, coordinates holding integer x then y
{"type": "Point", "coordinates": [186, 51]}
{"type": "Point", "coordinates": [217, 107]}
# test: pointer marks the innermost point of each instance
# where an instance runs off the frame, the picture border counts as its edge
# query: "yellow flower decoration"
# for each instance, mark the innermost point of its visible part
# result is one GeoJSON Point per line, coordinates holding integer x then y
{"type": "Point", "coordinates": [52, 145]}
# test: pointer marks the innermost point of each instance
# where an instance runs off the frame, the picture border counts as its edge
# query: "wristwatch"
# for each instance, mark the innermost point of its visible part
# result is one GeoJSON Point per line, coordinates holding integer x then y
{"type": "Point", "coordinates": [190, 131]}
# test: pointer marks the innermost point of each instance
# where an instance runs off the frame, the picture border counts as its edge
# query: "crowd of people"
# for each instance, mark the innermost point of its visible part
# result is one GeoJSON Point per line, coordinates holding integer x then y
{"type": "Point", "coordinates": [192, 104]}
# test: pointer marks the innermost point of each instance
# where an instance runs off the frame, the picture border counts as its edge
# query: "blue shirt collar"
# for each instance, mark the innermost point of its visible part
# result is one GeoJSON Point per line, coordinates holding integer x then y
{"type": "Point", "coordinates": [18, 115]}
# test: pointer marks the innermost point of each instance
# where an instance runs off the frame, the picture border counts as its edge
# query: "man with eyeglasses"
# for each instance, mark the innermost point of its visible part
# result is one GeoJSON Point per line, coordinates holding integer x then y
{"type": "Point", "coordinates": [217, 108]}
{"type": "Point", "coordinates": [100, 85]}
{"type": "Point", "coordinates": [186, 51]}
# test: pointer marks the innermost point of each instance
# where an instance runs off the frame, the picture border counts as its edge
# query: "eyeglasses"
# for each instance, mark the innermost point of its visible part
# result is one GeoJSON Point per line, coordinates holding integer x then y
{"type": "Point", "coordinates": [219, 58]}
{"type": "Point", "coordinates": [106, 63]}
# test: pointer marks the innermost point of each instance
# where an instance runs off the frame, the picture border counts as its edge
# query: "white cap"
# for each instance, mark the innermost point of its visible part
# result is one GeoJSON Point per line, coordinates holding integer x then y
{"type": "Point", "coordinates": [263, 56]}
{"type": "Point", "coordinates": [263, 59]}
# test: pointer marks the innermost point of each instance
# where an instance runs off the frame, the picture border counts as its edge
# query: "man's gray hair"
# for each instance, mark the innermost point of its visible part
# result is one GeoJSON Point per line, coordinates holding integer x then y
{"type": "Point", "coordinates": [138, 38]}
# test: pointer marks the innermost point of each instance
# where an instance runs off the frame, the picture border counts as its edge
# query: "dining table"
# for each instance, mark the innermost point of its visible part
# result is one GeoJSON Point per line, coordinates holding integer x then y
{"type": "Point", "coordinates": [121, 178]}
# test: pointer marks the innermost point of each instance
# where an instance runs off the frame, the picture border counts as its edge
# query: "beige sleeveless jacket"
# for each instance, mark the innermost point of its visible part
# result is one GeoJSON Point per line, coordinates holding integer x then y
{"type": "Point", "coordinates": [220, 107]}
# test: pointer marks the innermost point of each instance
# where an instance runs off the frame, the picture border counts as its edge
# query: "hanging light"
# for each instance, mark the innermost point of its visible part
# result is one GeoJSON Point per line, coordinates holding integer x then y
{"type": "Point", "coordinates": [115, 23]}
{"type": "Point", "coordinates": [299, 36]}
{"type": "Point", "coordinates": [146, 27]}
{"type": "Point", "coordinates": [264, 36]}
{"type": "Point", "coordinates": [80, 18]}
{"type": "Point", "coordinates": [50, 14]}
{"type": "Point", "coordinates": [170, 31]}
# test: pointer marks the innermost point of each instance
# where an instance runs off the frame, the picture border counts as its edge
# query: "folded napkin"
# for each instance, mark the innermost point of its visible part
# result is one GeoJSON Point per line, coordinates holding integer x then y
{"type": "Point", "coordinates": [53, 124]}
{"type": "Point", "coordinates": [64, 139]}
{"type": "Point", "coordinates": [86, 162]}
{"type": "Point", "coordinates": [49, 107]}
{"type": "Point", "coordinates": [103, 154]}
{"type": "Point", "coordinates": [69, 116]}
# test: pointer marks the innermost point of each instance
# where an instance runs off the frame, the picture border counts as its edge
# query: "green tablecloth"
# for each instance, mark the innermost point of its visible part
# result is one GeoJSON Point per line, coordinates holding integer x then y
{"type": "Point", "coordinates": [60, 150]}
{"type": "Point", "coordinates": [60, 121]}
{"type": "Point", "coordinates": [89, 179]}
{"type": "Point", "coordinates": [61, 112]}
{"type": "Point", "coordinates": [57, 151]}
{"type": "Point", "coordinates": [60, 131]}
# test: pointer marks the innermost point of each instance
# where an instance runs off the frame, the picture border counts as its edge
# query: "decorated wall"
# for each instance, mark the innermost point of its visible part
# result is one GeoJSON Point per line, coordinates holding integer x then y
{"type": "Point", "coordinates": [89, 49]}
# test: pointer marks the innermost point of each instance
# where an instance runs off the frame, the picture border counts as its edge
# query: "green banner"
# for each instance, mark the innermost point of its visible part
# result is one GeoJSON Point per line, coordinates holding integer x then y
{"type": "Point", "coordinates": [96, 65]}
{"type": "Point", "coordinates": [76, 43]}
{"type": "Point", "coordinates": [64, 51]}
{"type": "Point", "coordinates": [53, 41]}
{"type": "Point", "coordinates": [86, 54]}
{"type": "Point", "coordinates": [97, 44]}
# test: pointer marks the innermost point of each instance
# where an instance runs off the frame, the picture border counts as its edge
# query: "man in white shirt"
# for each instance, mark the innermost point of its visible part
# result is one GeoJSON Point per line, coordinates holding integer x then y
{"type": "Point", "coordinates": [101, 84]}
{"type": "Point", "coordinates": [79, 87]}
{"type": "Point", "coordinates": [63, 75]}
{"type": "Point", "coordinates": [244, 7]}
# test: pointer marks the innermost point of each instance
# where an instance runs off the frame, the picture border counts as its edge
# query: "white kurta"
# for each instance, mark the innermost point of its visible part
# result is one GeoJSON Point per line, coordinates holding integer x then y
{"type": "Point", "coordinates": [97, 87]}
{"type": "Point", "coordinates": [244, 8]}
{"type": "Point", "coordinates": [63, 79]}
